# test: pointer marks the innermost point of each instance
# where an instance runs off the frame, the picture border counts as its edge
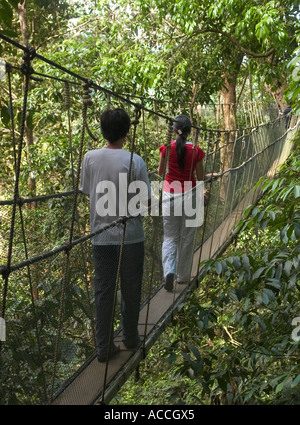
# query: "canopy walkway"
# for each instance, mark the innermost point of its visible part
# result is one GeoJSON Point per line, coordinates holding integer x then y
{"type": "Point", "coordinates": [46, 266]}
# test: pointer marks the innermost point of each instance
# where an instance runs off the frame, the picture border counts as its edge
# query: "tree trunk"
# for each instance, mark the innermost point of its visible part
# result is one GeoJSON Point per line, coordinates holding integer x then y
{"type": "Point", "coordinates": [219, 110]}
{"type": "Point", "coordinates": [279, 93]}
{"type": "Point", "coordinates": [229, 123]}
{"type": "Point", "coordinates": [23, 21]}
{"type": "Point", "coordinates": [229, 102]}
{"type": "Point", "coordinates": [192, 108]}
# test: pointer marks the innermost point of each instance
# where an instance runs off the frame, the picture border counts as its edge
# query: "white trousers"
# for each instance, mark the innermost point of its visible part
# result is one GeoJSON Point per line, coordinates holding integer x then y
{"type": "Point", "coordinates": [178, 243]}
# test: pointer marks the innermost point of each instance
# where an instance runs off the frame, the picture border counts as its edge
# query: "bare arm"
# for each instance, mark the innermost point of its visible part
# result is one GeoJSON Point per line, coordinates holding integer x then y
{"type": "Point", "coordinates": [211, 176]}
{"type": "Point", "coordinates": [200, 171]}
{"type": "Point", "coordinates": [161, 166]}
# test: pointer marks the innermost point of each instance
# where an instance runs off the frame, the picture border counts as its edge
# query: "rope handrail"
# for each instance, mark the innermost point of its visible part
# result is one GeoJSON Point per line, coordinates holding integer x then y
{"type": "Point", "coordinates": [68, 245]}
{"type": "Point", "coordinates": [147, 98]}
{"type": "Point", "coordinates": [97, 86]}
{"type": "Point", "coordinates": [124, 97]}
{"type": "Point", "coordinates": [21, 200]}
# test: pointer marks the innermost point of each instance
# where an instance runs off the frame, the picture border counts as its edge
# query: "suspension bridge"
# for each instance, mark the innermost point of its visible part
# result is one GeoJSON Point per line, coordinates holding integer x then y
{"type": "Point", "coordinates": [48, 348]}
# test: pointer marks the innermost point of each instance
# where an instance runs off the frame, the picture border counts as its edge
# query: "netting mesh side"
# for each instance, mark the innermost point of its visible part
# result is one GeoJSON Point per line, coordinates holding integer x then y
{"type": "Point", "coordinates": [253, 156]}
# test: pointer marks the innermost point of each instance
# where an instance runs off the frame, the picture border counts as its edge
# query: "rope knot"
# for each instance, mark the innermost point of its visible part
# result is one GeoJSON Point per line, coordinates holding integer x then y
{"type": "Point", "coordinates": [169, 133]}
{"type": "Point", "coordinates": [138, 113]}
{"type": "Point", "coordinates": [87, 101]}
{"type": "Point", "coordinates": [138, 107]}
{"type": "Point", "coordinates": [20, 201]}
{"type": "Point", "coordinates": [87, 93]}
{"type": "Point", "coordinates": [31, 52]}
{"type": "Point", "coordinates": [67, 246]}
{"type": "Point", "coordinates": [67, 94]}
{"type": "Point", "coordinates": [123, 219]}
{"type": "Point", "coordinates": [28, 56]}
{"type": "Point", "coordinates": [5, 271]}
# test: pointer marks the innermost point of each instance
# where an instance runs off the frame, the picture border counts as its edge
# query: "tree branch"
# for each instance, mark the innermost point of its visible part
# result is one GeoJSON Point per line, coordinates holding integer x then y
{"type": "Point", "coordinates": [7, 91]}
{"type": "Point", "coordinates": [65, 32]}
{"type": "Point", "coordinates": [235, 41]}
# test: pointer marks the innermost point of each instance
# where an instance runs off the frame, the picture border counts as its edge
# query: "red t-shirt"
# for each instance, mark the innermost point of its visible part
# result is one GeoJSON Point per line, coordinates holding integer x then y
{"type": "Point", "coordinates": [193, 155]}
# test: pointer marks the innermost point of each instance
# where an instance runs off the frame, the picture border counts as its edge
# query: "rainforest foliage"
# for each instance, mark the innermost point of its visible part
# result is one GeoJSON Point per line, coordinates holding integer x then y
{"type": "Point", "coordinates": [236, 340]}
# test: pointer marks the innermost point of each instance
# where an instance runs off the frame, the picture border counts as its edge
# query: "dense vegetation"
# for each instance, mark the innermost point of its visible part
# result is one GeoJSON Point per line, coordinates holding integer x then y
{"type": "Point", "coordinates": [232, 343]}
{"type": "Point", "coordinates": [237, 340]}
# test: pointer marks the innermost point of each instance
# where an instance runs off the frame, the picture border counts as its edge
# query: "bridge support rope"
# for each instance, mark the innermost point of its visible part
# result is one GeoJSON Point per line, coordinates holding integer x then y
{"type": "Point", "coordinates": [254, 149]}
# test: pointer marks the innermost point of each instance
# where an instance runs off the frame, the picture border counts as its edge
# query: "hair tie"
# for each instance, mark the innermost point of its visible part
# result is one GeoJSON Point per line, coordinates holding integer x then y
{"type": "Point", "coordinates": [179, 131]}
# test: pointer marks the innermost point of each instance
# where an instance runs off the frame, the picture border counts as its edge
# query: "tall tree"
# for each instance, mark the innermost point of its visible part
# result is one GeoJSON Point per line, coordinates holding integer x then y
{"type": "Point", "coordinates": [32, 23]}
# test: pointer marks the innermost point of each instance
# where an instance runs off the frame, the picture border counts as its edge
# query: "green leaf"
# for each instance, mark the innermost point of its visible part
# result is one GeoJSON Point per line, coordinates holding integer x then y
{"type": "Point", "coordinates": [233, 295]}
{"type": "Point", "coordinates": [287, 192]}
{"type": "Point", "coordinates": [236, 261]}
{"type": "Point", "coordinates": [272, 215]}
{"type": "Point", "coordinates": [218, 267]}
{"type": "Point", "coordinates": [296, 381]}
{"type": "Point", "coordinates": [297, 230]}
{"type": "Point", "coordinates": [246, 262]}
{"type": "Point", "coordinates": [297, 191]}
{"type": "Point", "coordinates": [223, 384]}
{"type": "Point", "coordinates": [264, 350]}
{"type": "Point", "coordinates": [296, 262]}
{"type": "Point", "coordinates": [274, 282]}
{"type": "Point", "coordinates": [276, 183]}
{"type": "Point", "coordinates": [260, 322]}
{"type": "Point", "coordinates": [5, 115]}
{"type": "Point", "coordinates": [224, 265]}
{"type": "Point", "coordinates": [281, 385]}
{"type": "Point", "coordinates": [258, 272]}
{"type": "Point", "coordinates": [6, 14]}
{"type": "Point", "coordinates": [29, 120]}
{"type": "Point", "coordinates": [172, 358]}
{"type": "Point", "coordinates": [255, 211]}
{"type": "Point", "coordinates": [195, 351]}
{"type": "Point", "coordinates": [265, 298]}
{"type": "Point", "coordinates": [269, 293]}
{"type": "Point", "coordinates": [287, 267]}
{"type": "Point", "coordinates": [247, 210]}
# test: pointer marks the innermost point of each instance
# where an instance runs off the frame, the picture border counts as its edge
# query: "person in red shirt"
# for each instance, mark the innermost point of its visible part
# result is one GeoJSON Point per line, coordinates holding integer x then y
{"type": "Point", "coordinates": [183, 161]}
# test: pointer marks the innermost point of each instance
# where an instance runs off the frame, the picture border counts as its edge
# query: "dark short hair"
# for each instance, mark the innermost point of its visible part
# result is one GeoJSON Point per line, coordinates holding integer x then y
{"type": "Point", "coordinates": [115, 124]}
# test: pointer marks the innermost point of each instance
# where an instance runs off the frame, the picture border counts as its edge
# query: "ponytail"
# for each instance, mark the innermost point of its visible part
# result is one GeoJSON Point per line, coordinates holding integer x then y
{"type": "Point", "coordinates": [181, 150]}
{"type": "Point", "coordinates": [182, 127]}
